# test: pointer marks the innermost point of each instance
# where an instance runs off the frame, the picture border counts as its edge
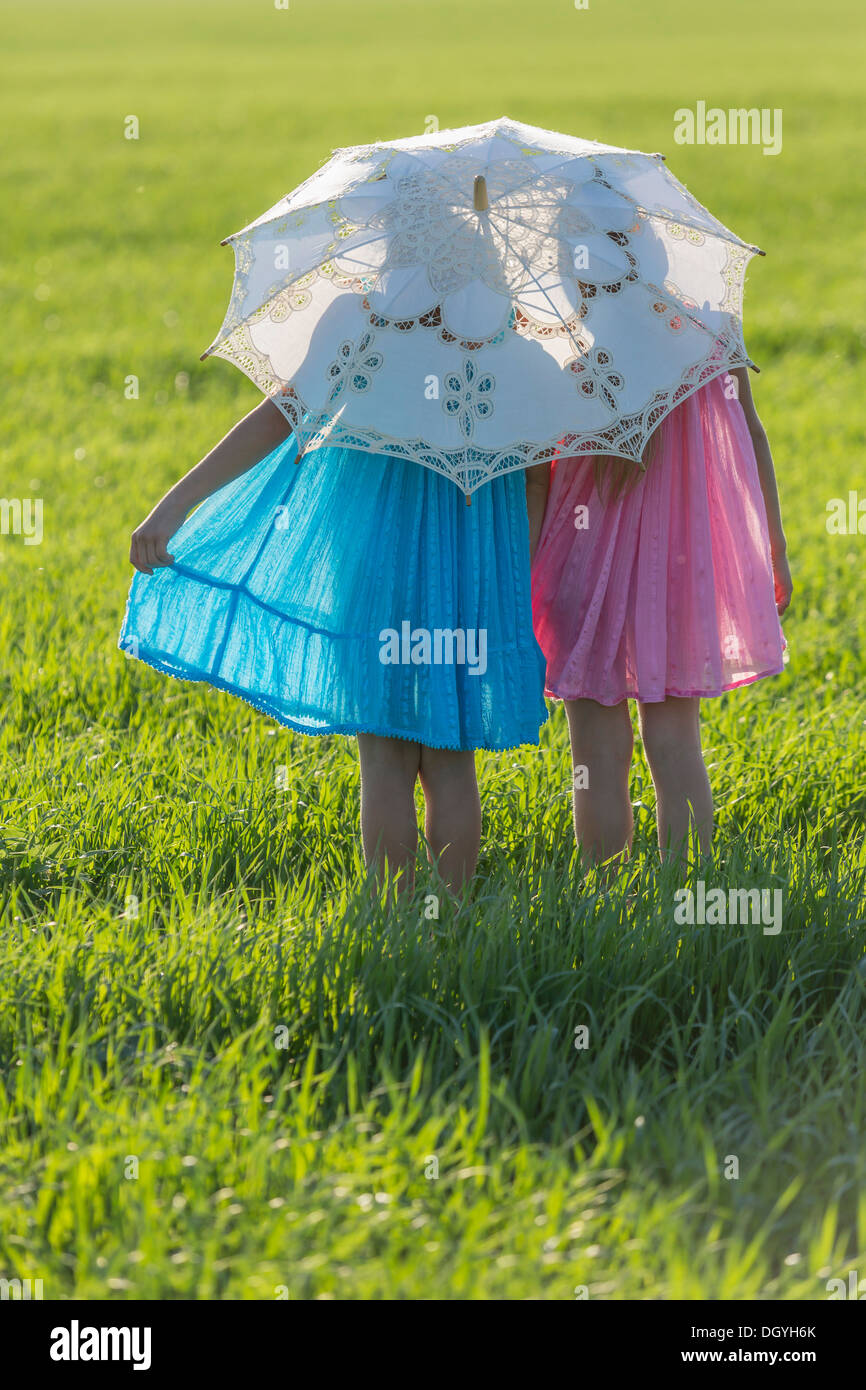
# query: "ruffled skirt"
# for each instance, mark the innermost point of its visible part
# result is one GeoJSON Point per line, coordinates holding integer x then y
{"type": "Point", "coordinates": [667, 589]}
{"type": "Point", "coordinates": [353, 592]}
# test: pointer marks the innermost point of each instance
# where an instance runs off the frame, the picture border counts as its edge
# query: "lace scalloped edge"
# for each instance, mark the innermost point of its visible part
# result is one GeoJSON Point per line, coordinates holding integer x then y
{"type": "Point", "coordinates": [311, 433]}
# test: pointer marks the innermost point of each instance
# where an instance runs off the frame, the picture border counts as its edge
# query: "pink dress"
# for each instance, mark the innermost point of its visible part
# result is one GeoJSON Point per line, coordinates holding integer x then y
{"type": "Point", "coordinates": [668, 589]}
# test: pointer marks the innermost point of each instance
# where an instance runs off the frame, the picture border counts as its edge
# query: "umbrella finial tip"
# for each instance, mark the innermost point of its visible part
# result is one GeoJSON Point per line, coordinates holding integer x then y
{"type": "Point", "coordinates": [479, 193]}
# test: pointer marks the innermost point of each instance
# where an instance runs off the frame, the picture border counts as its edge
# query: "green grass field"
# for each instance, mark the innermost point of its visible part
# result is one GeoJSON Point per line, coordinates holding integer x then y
{"type": "Point", "coordinates": [244, 1086]}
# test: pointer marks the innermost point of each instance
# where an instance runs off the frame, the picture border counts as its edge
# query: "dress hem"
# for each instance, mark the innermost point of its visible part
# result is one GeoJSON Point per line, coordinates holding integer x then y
{"type": "Point", "coordinates": [170, 667]}
{"type": "Point", "coordinates": [669, 694]}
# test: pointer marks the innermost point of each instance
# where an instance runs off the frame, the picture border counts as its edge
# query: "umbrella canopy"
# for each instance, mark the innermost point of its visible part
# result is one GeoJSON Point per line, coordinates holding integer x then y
{"type": "Point", "coordinates": [481, 299]}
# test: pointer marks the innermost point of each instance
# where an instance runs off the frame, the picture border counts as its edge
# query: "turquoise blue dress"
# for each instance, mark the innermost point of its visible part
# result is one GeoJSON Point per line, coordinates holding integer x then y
{"type": "Point", "coordinates": [293, 586]}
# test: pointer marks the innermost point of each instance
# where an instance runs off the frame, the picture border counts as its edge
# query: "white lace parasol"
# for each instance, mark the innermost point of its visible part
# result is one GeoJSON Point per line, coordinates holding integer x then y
{"type": "Point", "coordinates": [480, 299]}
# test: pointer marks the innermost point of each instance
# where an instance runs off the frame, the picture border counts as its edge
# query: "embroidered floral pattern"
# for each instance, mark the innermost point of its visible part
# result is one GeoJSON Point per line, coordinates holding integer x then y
{"type": "Point", "coordinates": [354, 366]}
{"type": "Point", "coordinates": [294, 299]}
{"type": "Point", "coordinates": [433, 320]}
{"type": "Point", "coordinates": [690, 234]}
{"type": "Point", "coordinates": [468, 396]}
{"type": "Point", "coordinates": [596, 375]}
{"type": "Point", "coordinates": [471, 465]}
{"type": "Point", "coordinates": [673, 320]}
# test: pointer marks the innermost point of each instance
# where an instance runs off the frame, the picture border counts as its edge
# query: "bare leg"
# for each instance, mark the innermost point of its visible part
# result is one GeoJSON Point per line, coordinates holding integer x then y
{"type": "Point", "coordinates": [671, 733]}
{"type": "Point", "coordinates": [601, 749]}
{"type": "Point", "coordinates": [453, 823]}
{"type": "Point", "coordinates": [389, 823]}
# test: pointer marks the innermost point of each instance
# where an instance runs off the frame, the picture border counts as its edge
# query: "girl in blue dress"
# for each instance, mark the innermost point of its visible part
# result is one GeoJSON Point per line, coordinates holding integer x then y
{"type": "Point", "coordinates": [352, 593]}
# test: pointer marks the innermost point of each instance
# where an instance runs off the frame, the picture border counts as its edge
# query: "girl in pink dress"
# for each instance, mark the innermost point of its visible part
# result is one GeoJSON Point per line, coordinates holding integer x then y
{"type": "Point", "coordinates": [663, 586]}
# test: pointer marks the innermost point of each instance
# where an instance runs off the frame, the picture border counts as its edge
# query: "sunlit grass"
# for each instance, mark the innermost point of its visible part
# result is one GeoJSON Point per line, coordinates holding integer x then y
{"type": "Point", "coordinates": [225, 1069]}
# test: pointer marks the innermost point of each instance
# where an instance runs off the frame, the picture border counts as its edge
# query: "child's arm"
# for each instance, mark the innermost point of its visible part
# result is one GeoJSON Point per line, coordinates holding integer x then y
{"type": "Point", "coordinates": [537, 486]}
{"type": "Point", "coordinates": [251, 440]}
{"type": "Point", "coordinates": [767, 476]}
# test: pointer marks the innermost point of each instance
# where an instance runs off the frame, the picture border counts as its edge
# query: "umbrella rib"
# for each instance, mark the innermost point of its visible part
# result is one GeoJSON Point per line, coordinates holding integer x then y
{"type": "Point", "coordinates": [464, 197]}
{"type": "Point", "coordinates": [545, 294]}
{"type": "Point", "coordinates": [718, 229]}
{"type": "Point", "coordinates": [723, 234]}
{"type": "Point", "coordinates": [510, 218]}
{"type": "Point", "coordinates": [673, 303]}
